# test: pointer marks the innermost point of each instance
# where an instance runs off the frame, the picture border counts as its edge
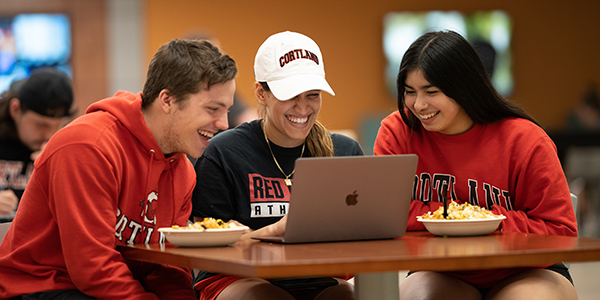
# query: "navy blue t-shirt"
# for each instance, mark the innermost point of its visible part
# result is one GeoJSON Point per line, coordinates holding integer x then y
{"type": "Point", "coordinates": [238, 179]}
{"type": "Point", "coordinates": [16, 167]}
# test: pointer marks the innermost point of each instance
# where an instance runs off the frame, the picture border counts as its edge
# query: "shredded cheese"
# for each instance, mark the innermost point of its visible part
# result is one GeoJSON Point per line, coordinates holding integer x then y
{"type": "Point", "coordinates": [464, 211]}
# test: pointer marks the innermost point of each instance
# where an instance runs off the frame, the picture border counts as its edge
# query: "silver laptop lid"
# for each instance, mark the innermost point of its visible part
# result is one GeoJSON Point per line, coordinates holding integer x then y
{"type": "Point", "coordinates": [350, 198]}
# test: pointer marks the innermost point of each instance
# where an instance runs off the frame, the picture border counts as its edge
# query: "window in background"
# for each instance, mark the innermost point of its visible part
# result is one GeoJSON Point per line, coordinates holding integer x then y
{"type": "Point", "coordinates": [30, 41]}
{"type": "Point", "coordinates": [488, 31]}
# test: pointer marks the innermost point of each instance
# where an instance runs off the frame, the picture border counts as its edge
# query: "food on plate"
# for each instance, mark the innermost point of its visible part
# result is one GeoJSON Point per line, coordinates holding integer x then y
{"type": "Point", "coordinates": [207, 223]}
{"type": "Point", "coordinates": [464, 211]}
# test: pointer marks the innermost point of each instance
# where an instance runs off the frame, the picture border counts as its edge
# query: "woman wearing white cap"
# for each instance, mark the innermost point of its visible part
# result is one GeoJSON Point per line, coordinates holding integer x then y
{"type": "Point", "coordinates": [245, 174]}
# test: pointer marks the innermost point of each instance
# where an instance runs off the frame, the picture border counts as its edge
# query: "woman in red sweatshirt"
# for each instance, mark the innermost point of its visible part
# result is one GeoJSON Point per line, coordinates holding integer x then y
{"type": "Point", "coordinates": [484, 150]}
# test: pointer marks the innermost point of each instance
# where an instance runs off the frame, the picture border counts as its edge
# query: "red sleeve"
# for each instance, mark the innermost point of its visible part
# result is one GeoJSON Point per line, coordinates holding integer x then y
{"type": "Point", "coordinates": [83, 196]}
{"type": "Point", "coordinates": [542, 201]}
{"type": "Point", "coordinates": [418, 208]}
{"type": "Point", "coordinates": [390, 138]}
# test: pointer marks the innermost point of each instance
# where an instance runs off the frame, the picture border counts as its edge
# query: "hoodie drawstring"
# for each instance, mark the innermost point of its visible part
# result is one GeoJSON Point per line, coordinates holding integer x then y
{"type": "Point", "coordinates": [145, 207]}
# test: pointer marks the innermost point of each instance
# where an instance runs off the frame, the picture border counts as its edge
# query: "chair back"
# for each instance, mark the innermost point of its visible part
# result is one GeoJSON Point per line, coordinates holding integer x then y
{"type": "Point", "coordinates": [574, 200]}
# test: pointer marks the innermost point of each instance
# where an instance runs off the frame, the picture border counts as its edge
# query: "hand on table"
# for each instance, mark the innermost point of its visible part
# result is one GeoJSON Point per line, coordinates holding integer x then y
{"type": "Point", "coordinates": [278, 228]}
{"type": "Point", "coordinates": [8, 202]}
{"type": "Point", "coordinates": [275, 229]}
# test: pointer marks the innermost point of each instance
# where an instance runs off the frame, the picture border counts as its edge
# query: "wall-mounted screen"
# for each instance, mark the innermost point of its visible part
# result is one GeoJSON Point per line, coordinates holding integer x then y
{"type": "Point", "coordinates": [489, 31]}
{"type": "Point", "coordinates": [30, 41]}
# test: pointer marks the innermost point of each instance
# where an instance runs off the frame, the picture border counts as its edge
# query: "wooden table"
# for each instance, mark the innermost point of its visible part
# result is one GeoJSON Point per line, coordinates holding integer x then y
{"type": "Point", "coordinates": [374, 263]}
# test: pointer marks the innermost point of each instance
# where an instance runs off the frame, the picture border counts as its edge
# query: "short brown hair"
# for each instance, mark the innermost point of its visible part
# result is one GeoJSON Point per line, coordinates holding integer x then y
{"type": "Point", "coordinates": [184, 67]}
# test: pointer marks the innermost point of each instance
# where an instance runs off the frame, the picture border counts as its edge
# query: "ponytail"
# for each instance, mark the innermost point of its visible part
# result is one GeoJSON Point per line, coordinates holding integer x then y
{"type": "Point", "coordinates": [319, 141]}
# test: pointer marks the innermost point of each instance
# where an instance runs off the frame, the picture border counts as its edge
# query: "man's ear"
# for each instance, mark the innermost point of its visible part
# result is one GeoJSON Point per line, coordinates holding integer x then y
{"type": "Point", "coordinates": [165, 100]}
{"type": "Point", "coordinates": [260, 93]}
{"type": "Point", "coordinates": [14, 108]}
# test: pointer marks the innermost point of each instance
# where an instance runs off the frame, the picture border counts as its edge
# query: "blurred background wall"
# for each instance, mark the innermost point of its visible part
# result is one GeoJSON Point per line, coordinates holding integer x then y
{"type": "Point", "coordinates": [555, 46]}
{"type": "Point", "coordinates": [89, 42]}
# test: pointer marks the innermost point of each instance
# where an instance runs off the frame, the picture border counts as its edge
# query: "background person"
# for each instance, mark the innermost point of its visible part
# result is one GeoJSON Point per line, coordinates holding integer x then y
{"type": "Point", "coordinates": [113, 177]}
{"type": "Point", "coordinates": [485, 150]}
{"type": "Point", "coordinates": [585, 116]}
{"type": "Point", "coordinates": [290, 78]}
{"type": "Point", "coordinates": [31, 111]}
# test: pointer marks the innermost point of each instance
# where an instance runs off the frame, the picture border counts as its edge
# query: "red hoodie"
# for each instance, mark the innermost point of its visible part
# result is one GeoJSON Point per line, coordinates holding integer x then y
{"type": "Point", "coordinates": [101, 181]}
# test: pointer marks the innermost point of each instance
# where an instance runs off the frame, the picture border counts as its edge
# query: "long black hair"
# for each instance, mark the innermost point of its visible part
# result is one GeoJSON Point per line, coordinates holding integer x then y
{"type": "Point", "coordinates": [449, 62]}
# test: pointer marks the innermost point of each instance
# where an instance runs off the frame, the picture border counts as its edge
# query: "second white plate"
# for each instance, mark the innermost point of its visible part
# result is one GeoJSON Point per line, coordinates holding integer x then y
{"type": "Point", "coordinates": [461, 227]}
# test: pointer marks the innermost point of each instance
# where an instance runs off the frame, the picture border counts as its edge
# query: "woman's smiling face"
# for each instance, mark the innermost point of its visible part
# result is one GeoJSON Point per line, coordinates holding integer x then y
{"type": "Point", "coordinates": [288, 122]}
{"type": "Point", "coordinates": [436, 111]}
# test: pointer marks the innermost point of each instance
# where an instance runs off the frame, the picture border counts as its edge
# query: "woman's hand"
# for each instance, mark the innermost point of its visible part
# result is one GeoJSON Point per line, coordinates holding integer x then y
{"type": "Point", "coordinates": [275, 229]}
{"type": "Point", "coordinates": [278, 228]}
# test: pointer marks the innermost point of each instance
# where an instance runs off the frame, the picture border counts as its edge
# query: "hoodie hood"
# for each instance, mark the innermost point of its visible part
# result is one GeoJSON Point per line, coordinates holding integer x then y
{"type": "Point", "coordinates": [101, 181]}
{"type": "Point", "coordinates": [129, 113]}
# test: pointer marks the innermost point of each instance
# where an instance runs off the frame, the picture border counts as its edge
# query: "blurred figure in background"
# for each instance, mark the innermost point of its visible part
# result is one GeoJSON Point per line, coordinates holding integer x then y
{"type": "Point", "coordinates": [487, 53]}
{"type": "Point", "coordinates": [581, 151]}
{"type": "Point", "coordinates": [31, 111]}
{"type": "Point", "coordinates": [586, 114]}
{"type": "Point", "coordinates": [240, 112]}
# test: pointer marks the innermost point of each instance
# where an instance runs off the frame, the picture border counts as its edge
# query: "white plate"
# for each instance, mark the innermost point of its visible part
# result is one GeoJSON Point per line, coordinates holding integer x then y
{"type": "Point", "coordinates": [462, 227]}
{"type": "Point", "coordinates": [203, 237]}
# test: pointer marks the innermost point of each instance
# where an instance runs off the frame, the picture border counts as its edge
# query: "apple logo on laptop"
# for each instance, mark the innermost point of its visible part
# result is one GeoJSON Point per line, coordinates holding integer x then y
{"type": "Point", "coordinates": [351, 199]}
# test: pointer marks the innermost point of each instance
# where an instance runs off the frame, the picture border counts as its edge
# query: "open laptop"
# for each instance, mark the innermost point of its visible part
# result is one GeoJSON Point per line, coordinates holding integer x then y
{"type": "Point", "coordinates": [349, 198]}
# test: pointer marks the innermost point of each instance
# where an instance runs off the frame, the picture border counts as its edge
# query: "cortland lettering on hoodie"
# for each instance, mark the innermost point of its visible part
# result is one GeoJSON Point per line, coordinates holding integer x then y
{"type": "Point", "coordinates": [101, 181]}
{"type": "Point", "coordinates": [515, 173]}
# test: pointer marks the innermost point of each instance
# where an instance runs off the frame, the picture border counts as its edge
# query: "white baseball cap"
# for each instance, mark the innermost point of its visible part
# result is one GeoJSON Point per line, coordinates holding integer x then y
{"type": "Point", "coordinates": [290, 63]}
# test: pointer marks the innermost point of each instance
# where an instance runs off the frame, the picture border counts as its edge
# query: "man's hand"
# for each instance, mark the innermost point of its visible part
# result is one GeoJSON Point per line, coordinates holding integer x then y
{"type": "Point", "coordinates": [8, 202]}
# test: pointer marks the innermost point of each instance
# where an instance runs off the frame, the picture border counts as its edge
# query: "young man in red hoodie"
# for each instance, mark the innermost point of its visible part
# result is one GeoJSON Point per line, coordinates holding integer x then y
{"type": "Point", "coordinates": [114, 176]}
